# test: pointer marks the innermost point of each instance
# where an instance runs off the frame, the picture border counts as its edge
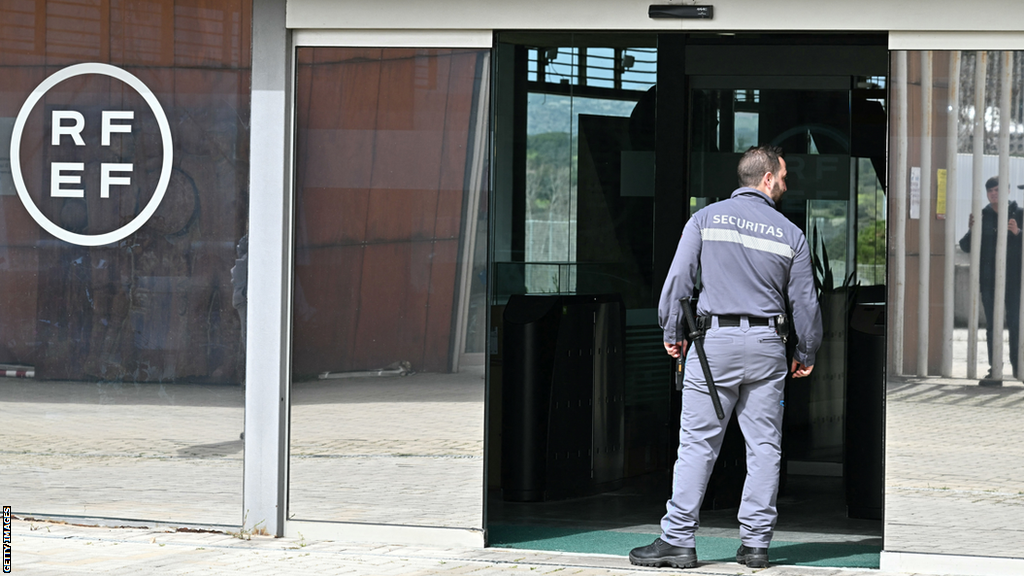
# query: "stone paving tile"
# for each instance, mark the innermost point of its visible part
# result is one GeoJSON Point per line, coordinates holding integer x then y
{"type": "Point", "coordinates": [960, 353]}
{"type": "Point", "coordinates": [47, 548]}
{"type": "Point", "coordinates": [951, 481]}
{"type": "Point", "coordinates": [167, 452]}
{"type": "Point", "coordinates": [410, 451]}
{"type": "Point", "coordinates": [404, 450]}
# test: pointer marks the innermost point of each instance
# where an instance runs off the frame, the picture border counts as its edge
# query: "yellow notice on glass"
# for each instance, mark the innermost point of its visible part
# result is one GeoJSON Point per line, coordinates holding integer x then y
{"type": "Point", "coordinates": [940, 202]}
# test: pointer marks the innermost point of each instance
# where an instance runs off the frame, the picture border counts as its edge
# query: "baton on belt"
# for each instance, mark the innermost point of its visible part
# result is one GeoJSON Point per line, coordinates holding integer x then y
{"type": "Point", "coordinates": [696, 338]}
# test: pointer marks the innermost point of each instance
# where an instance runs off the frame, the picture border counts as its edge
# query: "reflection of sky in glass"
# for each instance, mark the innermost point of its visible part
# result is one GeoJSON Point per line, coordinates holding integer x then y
{"type": "Point", "coordinates": [638, 67]}
{"type": "Point", "coordinates": [562, 68]}
{"type": "Point", "coordinates": [642, 75]}
{"type": "Point", "coordinates": [601, 67]}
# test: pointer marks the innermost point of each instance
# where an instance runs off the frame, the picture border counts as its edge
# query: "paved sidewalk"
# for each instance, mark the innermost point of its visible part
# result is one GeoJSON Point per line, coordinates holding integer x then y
{"type": "Point", "coordinates": [952, 476]}
{"type": "Point", "coordinates": [59, 549]}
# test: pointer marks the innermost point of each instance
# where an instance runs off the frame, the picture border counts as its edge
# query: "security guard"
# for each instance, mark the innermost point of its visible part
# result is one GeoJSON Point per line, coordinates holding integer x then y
{"type": "Point", "coordinates": [750, 258]}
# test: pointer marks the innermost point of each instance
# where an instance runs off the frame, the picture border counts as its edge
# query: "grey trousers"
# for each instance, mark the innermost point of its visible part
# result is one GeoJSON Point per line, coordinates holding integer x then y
{"type": "Point", "coordinates": [748, 364]}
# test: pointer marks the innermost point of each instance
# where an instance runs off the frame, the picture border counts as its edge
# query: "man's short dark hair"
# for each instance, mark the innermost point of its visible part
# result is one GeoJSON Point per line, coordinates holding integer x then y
{"type": "Point", "coordinates": [992, 182]}
{"type": "Point", "coordinates": [756, 162]}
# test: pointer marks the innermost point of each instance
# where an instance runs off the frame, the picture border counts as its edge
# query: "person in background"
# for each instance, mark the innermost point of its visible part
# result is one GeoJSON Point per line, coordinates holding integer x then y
{"type": "Point", "coordinates": [989, 221]}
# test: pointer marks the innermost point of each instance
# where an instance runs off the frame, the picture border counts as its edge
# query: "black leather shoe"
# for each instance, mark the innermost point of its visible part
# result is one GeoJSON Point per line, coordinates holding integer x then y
{"type": "Point", "coordinates": [661, 553]}
{"type": "Point", "coordinates": [752, 557]}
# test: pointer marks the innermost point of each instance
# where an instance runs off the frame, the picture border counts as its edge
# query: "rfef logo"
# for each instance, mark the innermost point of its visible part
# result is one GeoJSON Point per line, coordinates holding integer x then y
{"type": "Point", "coordinates": [67, 126]}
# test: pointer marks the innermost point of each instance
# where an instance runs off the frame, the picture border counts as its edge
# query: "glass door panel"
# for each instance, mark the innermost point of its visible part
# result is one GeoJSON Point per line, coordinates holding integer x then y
{"type": "Point", "coordinates": [390, 282]}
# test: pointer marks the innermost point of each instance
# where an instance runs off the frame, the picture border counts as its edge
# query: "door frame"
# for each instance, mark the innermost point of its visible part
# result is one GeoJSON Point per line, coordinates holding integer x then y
{"type": "Point", "coordinates": [351, 531]}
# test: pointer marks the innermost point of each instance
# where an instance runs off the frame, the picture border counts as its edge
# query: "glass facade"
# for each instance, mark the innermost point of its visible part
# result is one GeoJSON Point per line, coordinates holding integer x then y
{"type": "Point", "coordinates": [124, 166]}
{"type": "Point", "coordinates": [123, 205]}
{"type": "Point", "coordinates": [953, 393]}
{"type": "Point", "coordinates": [390, 283]}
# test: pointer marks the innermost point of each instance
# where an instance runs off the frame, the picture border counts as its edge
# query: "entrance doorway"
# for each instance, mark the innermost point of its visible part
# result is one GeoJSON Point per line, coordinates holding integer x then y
{"type": "Point", "coordinates": [605, 144]}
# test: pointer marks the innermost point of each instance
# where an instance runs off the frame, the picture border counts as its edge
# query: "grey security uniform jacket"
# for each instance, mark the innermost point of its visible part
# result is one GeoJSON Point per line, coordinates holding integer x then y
{"type": "Point", "coordinates": [749, 257]}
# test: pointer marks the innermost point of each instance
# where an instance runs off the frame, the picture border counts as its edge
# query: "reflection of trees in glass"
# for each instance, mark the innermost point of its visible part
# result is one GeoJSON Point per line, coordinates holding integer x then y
{"type": "Point", "coordinates": [549, 175]}
{"type": "Point", "coordinates": [871, 244]}
{"type": "Point", "coordinates": [550, 190]}
{"type": "Point", "coordinates": [965, 136]}
{"type": "Point", "coordinates": [551, 163]}
{"type": "Point", "coordinates": [870, 251]}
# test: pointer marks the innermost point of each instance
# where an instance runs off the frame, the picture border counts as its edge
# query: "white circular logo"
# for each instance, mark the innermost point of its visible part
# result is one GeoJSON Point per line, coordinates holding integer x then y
{"type": "Point", "coordinates": [165, 170]}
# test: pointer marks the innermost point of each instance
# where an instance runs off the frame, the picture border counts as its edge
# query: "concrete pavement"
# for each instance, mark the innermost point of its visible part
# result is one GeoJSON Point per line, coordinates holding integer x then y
{"type": "Point", "coordinates": [44, 548]}
{"type": "Point", "coordinates": [171, 453]}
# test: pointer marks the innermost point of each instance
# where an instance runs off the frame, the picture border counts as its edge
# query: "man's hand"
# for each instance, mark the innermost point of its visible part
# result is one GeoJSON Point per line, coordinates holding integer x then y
{"type": "Point", "coordinates": [799, 370]}
{"type": "Point", "coordinates": [970, 221]}
{"type": "Point", "coordinates": [1012, 226]}
{"type": "Point", "coordinates": [677, 349]}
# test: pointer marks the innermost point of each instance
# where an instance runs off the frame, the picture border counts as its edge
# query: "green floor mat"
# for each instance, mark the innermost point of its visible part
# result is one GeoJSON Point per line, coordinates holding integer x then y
{"type": "Point", "coordinates": [709, 549]}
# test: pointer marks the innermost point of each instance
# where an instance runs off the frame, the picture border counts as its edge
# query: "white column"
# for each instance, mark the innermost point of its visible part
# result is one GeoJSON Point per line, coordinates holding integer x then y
{"type": "Point", "coordinates": [267, 359]}
{"type": "Point", "coordinates": [977, 194]}
{"type": "Point", "coordinates": [1020, 351]}
{"type": "Point", "coordinates": [925, 223]}
{"type": "Point", "coordinates": [898, 185]}
{"type": "Point", "coordinates": [949, 247]}
{"type": "Point", "coordinates": [999, 297]}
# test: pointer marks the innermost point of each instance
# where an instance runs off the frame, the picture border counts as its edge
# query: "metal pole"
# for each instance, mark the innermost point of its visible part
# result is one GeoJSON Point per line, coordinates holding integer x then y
{"type": "Point", "coordinates": [899, 213]}
{"type": "Point", "coordinates": [271, 217]}
{"type": "Point", "coordinates": [949, 245]}
{"type": "Point", "coordinates": [977, 193]}
{"type": "Point", "coordinates": [925, 223]}
{"type": "Point", "coordinates": [999, 297]}
{"type": "Point", "coordinates": [1020, 351]}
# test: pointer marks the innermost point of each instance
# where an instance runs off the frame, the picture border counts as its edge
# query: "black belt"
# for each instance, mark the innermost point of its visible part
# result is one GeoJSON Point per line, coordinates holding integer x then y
{"type": "Point", "coordinates": [730, 320]}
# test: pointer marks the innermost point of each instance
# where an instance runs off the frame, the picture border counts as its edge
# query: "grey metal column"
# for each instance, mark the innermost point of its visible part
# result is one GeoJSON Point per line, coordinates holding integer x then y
{"type": "Point", "coordinates": [999, 305]}
{"type": "Point", "coordinates": [925, 223]}
{"type": "Point", "coordinates": [267, 363]}
{"type": "Point", "coordinates": [949, 248]}
{"type": "Point", "coordinates": [899, 204]}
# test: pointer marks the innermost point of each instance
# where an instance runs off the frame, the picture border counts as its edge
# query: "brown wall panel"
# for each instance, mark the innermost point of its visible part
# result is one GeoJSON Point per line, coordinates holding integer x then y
{"type": "Point", "coordinates": [453, 170]}
{"type": "Point", "coordinates": [353, 87]}
{"type": "Point", "coordinates": [18, 75]}
{"type": "Point", "coordinates": [337, 141]}
{"type": "Point", "coordinates": [386, 168]}
{"type": "Point", "coordinates": [336, 158]}
{"type": "Point", "coordinates": [444, 265]}
{"type": "Point", "coordinates": [143, 34]}
{"type": "Point", "coordinates": [396, 215]}
{"type": "Point", "coordinates": [346, 56]}
{"type": "Point", "coordinates": [24, 32]}
{"type": "Point", "coordinates": [328, 309]}
{"type": "Point", "coordinates": [407, 159]}
{"type": "Point", "coordinates": [448, 224]}
{"type": "Point", "coordinates": [332, 216]}
{"type": "Point", "coordinates": [210, 32]}
{"type": "Point", "coordinates": [395, 279]}
{"type": "Point", "coordinates": [19, 278]}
